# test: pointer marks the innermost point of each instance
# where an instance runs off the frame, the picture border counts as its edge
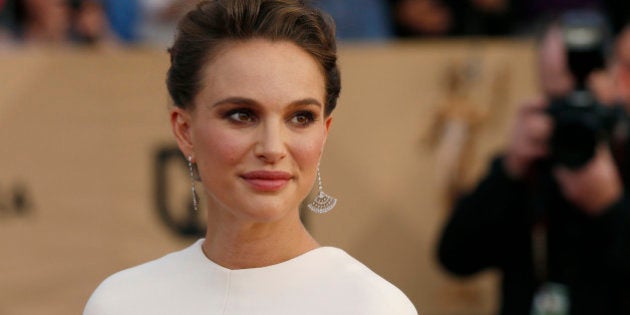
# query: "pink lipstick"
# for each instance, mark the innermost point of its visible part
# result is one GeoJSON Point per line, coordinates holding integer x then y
{"type": "Point", "coordinates": [267, 181]}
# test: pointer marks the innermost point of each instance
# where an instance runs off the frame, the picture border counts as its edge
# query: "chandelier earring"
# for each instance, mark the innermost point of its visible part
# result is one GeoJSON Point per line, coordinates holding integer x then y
{"type": "Point", "coordinates": [322, 202]}
{"type": "Point", "coordinates": [195, 198]}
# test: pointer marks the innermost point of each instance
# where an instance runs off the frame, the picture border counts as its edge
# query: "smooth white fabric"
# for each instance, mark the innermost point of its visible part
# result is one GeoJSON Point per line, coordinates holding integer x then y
{"type": "Point", "coordinates": [325, 280]}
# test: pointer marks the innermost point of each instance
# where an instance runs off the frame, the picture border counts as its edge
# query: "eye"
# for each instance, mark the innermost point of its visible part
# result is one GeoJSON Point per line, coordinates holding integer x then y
{"type": "Point", "coordinates": [303, 118]}
{"type": "Point", "coordinates": [241, 116]}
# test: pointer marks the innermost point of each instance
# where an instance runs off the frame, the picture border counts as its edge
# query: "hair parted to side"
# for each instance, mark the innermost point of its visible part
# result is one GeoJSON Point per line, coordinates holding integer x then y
{"type": "Point", "coordinates": [202, 31]}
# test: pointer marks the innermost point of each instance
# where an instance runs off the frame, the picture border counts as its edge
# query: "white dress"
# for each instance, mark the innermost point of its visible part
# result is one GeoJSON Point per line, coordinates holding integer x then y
{"type": "Point", "coordinates": [325, 280]}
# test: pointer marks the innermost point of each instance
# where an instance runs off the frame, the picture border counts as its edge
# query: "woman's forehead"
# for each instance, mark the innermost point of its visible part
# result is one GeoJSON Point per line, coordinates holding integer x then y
{"type": "Point", "coordinates": [260, 68]}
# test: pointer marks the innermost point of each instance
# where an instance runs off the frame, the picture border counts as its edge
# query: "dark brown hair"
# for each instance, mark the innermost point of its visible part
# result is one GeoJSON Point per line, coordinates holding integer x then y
{"type": "Point", "coordinates": [202, 31]}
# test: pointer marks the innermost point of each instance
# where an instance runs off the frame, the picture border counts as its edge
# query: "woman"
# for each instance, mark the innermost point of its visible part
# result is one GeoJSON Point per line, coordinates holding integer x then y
{"type": "Point", "coordinates": [254, 84]}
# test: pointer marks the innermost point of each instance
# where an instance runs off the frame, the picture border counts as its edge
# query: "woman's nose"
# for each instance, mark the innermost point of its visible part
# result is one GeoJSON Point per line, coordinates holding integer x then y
{"type": "Point", "coordinates": [271, 144]}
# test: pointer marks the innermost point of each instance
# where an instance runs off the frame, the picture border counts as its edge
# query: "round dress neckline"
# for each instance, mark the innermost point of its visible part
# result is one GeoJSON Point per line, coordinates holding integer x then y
{"type": "Point", "coordinates": [293, 261]}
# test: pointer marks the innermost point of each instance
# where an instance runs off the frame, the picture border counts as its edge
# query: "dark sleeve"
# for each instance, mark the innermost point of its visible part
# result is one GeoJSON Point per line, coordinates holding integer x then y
{"type": "Point", "coordinates": [485, 225]}
{"type": "Point", "coordinates": [607, 241]}
{"type": "Point", "coordinates": [619, 257]}
{"type": "Point", "coordinates": [600, 269]}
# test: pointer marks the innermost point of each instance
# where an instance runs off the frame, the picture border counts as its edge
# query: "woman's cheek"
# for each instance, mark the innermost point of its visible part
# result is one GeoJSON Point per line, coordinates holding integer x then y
{"type": "Point", "coordinates": [219, 145]}
{"type": "Point", "coordinates": [308, 152]}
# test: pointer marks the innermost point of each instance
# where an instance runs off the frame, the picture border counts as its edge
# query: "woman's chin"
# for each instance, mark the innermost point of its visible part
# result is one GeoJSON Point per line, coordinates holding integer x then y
{"type": "Point", "coordinates": [268, 211]}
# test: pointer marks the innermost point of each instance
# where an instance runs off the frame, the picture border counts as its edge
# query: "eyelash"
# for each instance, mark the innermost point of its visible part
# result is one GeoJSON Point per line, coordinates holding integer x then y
{"type": "Point", "coordinates": [310, 116]}
{"type": "Point", "coordinates": [229, 115]}
{"type": "Point", "coordinates": [252, 118]}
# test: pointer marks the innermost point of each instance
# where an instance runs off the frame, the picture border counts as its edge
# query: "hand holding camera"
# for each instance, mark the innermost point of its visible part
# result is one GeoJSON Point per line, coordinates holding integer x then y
{"type": "Point", "coordinates": [593, 187]}
{"type": "Point", "coordinates": [529, 139]}
{"type": "Point", "coordinates": [574, 127]}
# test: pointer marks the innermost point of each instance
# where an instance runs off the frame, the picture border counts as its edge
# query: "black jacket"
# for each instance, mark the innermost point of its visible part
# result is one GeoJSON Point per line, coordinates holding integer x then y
{"type": "Point", "coordinates": [492, 228]}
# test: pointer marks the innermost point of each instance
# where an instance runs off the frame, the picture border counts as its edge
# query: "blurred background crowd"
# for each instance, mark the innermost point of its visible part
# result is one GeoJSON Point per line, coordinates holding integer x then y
{"type": "Point", "coordinates": [464, 250]}
{"type": "Point", "coordinates": [90, 21]}
{"type": "Point", "coordinates": [152, 21]}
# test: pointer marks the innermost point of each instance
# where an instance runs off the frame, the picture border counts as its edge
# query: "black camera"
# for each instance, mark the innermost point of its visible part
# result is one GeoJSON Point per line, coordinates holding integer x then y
{"type": "Point", "coordinates": [581, 123]}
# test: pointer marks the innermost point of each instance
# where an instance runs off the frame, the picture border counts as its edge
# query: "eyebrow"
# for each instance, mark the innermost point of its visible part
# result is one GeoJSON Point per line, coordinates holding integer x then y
{"type": "Point", "coordinates": [252, 102]}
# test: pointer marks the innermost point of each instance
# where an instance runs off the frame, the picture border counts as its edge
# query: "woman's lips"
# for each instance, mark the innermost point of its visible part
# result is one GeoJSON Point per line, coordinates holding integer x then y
{"type": "Point", "coordinates": [267, 180]}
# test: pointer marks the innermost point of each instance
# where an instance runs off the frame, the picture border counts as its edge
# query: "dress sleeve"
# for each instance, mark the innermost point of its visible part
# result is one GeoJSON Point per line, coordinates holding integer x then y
{"type": "Point", "coordinates": [100, 301]}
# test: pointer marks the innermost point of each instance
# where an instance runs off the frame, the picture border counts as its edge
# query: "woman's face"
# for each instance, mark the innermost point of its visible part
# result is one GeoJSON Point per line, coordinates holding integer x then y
{"type": "Point", "coordinates": [258, 129]}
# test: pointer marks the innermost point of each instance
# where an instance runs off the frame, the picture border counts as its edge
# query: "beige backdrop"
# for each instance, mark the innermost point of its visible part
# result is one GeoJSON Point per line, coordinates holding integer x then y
{"type": "Point", "coordinates": [80, 130]}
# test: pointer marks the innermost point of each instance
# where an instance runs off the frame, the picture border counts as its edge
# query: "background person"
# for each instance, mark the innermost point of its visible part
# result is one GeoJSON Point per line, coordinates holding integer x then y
{"type": "Point", "coordinates": [556, 233]}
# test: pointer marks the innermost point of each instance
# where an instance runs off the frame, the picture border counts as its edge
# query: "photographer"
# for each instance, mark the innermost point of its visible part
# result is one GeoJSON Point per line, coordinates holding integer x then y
{"type": "Point", "coordinates": [555, 223]}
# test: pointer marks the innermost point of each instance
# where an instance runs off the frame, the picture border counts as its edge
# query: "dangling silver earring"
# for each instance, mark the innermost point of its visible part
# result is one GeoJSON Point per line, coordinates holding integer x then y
{"type": "Point", "coordinates": [322, 202]}
{"type": "Point", "coordinates": [195, 198]}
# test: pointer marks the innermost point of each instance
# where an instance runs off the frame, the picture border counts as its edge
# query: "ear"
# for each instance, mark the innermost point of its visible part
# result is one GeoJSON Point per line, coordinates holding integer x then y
{"type": "Point", "coordinates": [327, 124]}
{"type": "Point", "coordinates": [181, 127]}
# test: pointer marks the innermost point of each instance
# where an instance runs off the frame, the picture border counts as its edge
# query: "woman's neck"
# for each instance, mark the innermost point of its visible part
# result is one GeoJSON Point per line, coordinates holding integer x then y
{"type": "Point", "coordinates": [235, 244]}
